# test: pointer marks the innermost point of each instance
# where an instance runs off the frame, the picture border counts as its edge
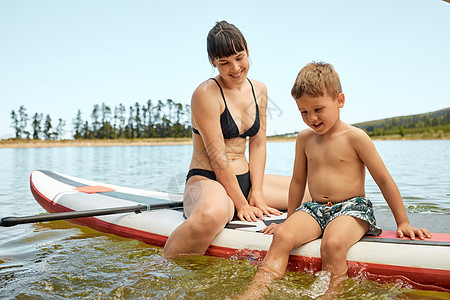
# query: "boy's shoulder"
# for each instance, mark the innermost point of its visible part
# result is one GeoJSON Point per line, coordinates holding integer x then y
{"type": "Point", "coordinates": [305, 134]}
{"type": "Point", "coordinates": [358, 138]}
{"type": "Point", "coordinates": [356, 133]}
{"type": "Point", "coordinates": [351, 132]}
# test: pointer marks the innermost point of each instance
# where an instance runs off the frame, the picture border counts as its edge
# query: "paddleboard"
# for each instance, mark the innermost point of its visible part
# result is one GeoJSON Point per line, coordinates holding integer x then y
{"type": "Point", "coordinates": [420, 264]}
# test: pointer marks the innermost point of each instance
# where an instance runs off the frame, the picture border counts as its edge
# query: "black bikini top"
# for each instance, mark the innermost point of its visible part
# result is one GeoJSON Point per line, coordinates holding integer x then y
{"type": "Point", "coordinates": [229, 127]}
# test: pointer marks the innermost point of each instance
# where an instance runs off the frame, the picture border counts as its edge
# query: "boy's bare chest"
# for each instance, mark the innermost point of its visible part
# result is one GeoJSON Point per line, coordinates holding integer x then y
{"type": "Point", "coordinates": [331, 153]}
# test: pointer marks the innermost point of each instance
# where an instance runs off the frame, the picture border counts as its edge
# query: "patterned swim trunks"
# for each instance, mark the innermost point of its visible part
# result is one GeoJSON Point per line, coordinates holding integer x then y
{"type": "Point", "coordinates": [358, 207]}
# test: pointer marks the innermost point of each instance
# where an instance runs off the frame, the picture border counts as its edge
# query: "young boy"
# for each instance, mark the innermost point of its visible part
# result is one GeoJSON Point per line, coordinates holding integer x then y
{"type": "Point", "coordinates": [331, 156]}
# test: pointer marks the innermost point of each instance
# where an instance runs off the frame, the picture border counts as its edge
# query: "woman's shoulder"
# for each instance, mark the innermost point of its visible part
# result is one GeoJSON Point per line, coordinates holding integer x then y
{"type": "Point", "coordinates": [260, 90]}
{"type": "Point", "coordinates": [258, 84]}
{"type": "Point", "coordinates": [204, 95]}
{"type": "Point", "coordinates": [206, 89]}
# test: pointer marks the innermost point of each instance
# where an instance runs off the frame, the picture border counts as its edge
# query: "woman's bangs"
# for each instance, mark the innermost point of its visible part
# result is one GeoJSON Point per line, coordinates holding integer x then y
{"type": "Point", "coordinates": [227, 44]}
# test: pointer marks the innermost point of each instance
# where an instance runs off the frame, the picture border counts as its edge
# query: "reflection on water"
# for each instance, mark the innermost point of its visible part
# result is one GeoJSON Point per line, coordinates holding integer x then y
{"type": "Point", "coordinates": [61, 260]}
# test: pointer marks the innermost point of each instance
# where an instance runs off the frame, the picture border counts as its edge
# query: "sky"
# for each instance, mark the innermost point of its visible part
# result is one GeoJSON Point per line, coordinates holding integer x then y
{"type": "Point", "coordinates": [58, 57]}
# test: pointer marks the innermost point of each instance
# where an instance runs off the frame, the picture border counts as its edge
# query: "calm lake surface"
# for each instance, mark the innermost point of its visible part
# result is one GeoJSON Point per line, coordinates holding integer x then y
{"type": "Point", "coordinates": [59, 260]}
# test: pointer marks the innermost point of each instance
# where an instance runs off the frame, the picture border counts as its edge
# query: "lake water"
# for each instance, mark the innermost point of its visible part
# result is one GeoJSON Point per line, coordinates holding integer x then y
{"type": "Point", "coordinates": [56, 260]}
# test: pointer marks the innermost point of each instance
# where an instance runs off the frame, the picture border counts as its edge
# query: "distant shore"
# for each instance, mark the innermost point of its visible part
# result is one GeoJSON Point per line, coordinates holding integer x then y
{"type": "Point", "coordinates": [110, 143]}
{"type": "Point", "coordinates": [23, 143]}
{"type": "Point", "coordinates": [94, 143]}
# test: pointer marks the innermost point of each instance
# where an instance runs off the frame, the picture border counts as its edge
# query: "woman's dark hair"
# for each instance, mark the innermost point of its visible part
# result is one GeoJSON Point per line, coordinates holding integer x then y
{"type": "Point", "coordinates": [224, 40]}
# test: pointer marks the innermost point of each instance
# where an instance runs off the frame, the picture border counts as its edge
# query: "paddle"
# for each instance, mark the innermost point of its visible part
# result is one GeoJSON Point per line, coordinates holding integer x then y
{"type": "Point", "coordinates": [12, 221]}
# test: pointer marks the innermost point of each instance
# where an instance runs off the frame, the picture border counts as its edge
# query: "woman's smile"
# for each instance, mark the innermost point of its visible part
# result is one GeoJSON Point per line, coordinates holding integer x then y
{"type": "Point", "coordinates": [236, 75]}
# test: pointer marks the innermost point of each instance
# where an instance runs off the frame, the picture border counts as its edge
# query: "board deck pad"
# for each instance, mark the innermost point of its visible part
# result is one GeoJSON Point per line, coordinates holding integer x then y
{"type": "Point", "coordinates": [387, 236]}
{"type": "Point", "coordinates": [91, 189]}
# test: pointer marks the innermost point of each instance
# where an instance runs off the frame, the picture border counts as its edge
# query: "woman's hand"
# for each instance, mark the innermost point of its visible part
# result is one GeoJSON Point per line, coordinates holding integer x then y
{"type": "Point", "coordinates": [271, 228]}
{"type": "Point", "coordinates": [406, 228]}
{"type": "Point", "coordinates": [249, 213]}
{"type": "Point", "coordinates": [257, 200]}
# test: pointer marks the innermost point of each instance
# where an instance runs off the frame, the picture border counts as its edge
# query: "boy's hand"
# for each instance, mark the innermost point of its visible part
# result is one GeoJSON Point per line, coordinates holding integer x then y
{"type": "Point", "coordinates": [271, 228]}
{"type": "Point", "coordinates": [411, 231]}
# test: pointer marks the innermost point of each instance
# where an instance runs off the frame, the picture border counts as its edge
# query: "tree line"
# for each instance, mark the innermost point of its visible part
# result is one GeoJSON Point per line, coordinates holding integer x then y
{"type": "Point", "coordinates": [437, 121]}
{"type": "Point", "coordinates": [159, 119]}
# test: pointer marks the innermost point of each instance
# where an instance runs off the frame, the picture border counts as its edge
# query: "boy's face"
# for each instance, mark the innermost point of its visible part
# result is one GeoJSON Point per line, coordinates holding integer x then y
{"type": "Point", "coordinates": [320, 113]}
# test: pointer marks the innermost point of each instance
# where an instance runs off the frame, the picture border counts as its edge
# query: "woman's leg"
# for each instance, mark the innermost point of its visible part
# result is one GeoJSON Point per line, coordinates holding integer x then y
{"type": "Point", "coordinates": [208, 209]}
{"type": "Point", "coordinates": [276, 191]}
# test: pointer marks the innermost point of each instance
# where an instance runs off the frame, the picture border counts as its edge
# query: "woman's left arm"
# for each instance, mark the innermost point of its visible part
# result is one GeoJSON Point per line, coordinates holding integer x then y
{"type": "Point", "coordinates": [257, 155]}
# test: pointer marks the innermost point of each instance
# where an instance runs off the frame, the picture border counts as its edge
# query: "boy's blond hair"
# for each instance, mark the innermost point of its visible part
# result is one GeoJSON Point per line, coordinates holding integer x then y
{"type": "Point", "coordinates": [315, 79]}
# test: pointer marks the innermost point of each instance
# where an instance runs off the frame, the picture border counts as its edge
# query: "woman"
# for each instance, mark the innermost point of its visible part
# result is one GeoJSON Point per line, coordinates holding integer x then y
{"type": "Point", "coordinates": [225, 111]}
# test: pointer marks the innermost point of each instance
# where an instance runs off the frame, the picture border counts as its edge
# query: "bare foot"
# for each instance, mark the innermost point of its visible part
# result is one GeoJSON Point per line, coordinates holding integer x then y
{"type": "Point", "coordinates": [320, 284]}
{"type": "Point", "coordinates": [259, 286]}
{"type": "Point", "coordinates": [335, 287]}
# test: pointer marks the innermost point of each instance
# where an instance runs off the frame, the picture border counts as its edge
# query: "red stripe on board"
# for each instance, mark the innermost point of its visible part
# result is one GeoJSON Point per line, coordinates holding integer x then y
{"type": "Point", "coordinates": [417, 278]}
{"type": "Point", "coordinates": [43, 201]}
{"type": "Point", "coordinates": [430, 279]}
{"type": "Point", "coordinates": [437, 237]}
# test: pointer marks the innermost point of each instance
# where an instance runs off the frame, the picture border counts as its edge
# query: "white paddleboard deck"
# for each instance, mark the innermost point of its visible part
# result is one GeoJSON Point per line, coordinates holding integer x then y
{"type": "Point", "coordinates": [422, 264]}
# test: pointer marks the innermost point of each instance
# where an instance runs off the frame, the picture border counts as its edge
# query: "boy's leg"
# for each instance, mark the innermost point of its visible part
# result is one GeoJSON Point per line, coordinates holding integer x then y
{"type": "Point", "coordinates": [339, 235]}
{"type": "Point", "coordinates": [297, 230]}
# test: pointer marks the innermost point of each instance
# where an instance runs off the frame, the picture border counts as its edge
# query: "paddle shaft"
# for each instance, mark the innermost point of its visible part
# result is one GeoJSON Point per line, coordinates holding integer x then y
{"type": "Point", "coordinates": [12, 221]}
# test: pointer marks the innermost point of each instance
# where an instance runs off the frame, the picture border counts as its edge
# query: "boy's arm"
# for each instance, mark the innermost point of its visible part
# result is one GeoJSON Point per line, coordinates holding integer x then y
{"type": "Point", "coordinates": [372, 160]}
{"type": "Point", "coordinates": [299, 176]}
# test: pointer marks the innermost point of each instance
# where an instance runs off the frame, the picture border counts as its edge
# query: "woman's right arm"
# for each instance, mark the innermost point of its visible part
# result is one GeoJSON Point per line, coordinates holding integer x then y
{"type": "Point", "coordinates": [206, 114]}
{"type": "Point", "coordinates": [299, 175]}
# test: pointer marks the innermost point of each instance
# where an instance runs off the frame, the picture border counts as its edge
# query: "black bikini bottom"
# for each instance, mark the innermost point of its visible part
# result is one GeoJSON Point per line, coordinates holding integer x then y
{"type": "Point", "coordinates": [243, 179]}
